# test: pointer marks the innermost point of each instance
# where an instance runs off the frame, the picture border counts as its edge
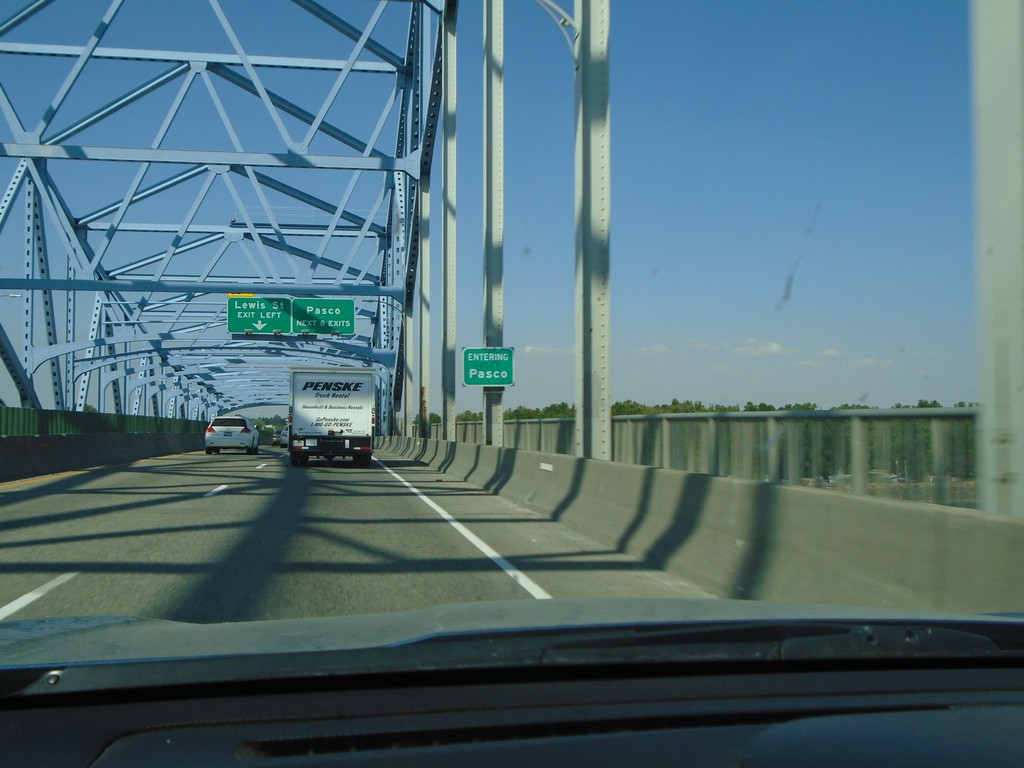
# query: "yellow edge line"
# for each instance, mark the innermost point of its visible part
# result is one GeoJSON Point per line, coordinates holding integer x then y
{"type": "Point", "coordinates": [42, 479]}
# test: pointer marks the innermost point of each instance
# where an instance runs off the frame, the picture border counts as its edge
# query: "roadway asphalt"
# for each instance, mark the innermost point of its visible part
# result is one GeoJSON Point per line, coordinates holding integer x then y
{"type": "Point", "coordinates": [232, 537]}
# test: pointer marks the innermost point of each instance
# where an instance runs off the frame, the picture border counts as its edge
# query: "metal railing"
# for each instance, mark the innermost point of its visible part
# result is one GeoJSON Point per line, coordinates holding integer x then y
{"type": "Point", "coordinates": [29, 421]}
{"type": "Point", "coordinates": [917, 454]}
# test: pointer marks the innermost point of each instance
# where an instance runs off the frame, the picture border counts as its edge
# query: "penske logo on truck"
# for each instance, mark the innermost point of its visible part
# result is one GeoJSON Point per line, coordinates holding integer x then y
{"type": "Point", "coordinates": [333, 386]}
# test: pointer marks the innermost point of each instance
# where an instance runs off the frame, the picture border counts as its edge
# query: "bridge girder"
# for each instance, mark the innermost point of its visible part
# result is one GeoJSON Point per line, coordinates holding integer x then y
{"type": "Point", "coordinates": [160, 178]}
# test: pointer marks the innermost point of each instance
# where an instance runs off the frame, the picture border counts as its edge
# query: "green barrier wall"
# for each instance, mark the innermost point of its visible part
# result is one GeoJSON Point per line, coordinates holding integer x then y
{"type": "Point", "coordinates": [16, 422]}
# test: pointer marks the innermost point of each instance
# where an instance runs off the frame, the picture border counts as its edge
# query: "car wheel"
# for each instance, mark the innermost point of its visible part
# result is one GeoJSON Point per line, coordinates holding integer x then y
{"type": "Point", "coordinates": [209, 451]}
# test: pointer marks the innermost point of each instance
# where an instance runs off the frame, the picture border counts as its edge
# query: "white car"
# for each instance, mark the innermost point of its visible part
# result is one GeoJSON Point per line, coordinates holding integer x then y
{"type": "Point", "coordinates": [232, 432]}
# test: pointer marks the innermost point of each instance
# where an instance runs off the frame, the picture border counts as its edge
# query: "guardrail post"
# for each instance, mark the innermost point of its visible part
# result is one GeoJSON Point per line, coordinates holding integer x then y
{"type": "Point", "coordinates": [711, 446]}
{"type": "Point", "coordinates": [666, 443]}
{"type": "Point", "coordinates": [939, 470]}
{"type": "Point", "coordinates": [773, 437]}
{"type": "Point", "coordinates": [794, 451]}
{"type": "Point", "coordinates": [858, 455]}
{"type": "Point", "coordinates": [748, 444]}
{"type": "Point", "coordinates": [817, 451]}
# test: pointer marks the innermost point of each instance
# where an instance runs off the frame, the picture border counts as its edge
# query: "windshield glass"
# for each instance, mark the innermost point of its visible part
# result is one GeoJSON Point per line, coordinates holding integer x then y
{"type": "Point", "coordinates": [703, 319]}
{"type": "Point", "coordinates": [225, 421]}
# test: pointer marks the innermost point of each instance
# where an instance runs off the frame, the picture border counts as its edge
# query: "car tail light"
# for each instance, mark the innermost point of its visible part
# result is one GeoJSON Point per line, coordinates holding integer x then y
{"type": "Point", "coordinates": [245, 430]}
{"type": "Point", "coordinates": [210, 429]}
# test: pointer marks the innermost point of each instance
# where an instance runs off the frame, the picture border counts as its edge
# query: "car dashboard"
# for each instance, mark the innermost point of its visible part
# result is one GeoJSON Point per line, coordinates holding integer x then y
{"type": "Point", "coordinates": [934, 713]}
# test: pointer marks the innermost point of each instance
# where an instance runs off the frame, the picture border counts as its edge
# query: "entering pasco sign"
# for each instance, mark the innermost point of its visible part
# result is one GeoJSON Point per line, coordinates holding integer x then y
{"type": "Point", "coordinates": [488, 366]}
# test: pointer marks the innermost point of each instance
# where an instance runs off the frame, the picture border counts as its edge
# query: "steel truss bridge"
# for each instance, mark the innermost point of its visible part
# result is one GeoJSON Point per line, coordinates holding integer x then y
{"type": "Point", "coordinates": [158, 156]}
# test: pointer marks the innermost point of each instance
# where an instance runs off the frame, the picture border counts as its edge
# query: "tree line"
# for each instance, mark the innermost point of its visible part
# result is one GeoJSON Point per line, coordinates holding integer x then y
{"type": "Point", "coordinates": [565, 410]}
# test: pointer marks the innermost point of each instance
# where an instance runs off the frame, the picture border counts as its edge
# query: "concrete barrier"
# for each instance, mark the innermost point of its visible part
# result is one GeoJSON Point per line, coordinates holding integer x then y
{"type": "Point", "coordinates": [745, 539]}
{"type": "Point", "coordinates": [29, 456]}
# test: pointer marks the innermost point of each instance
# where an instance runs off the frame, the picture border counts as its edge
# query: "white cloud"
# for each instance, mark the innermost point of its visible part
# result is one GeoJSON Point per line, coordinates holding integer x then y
{"type": "Point", "coordinates": [868, 362]}
{"type": "Point", "coordinates": [548, 351]}
{"type": "Point", "coordinates": [759, 348]}
{"type": "Point", "coordinates": [655, 350]}
{"type": "Point", "coordinates": [831, 353]}
{"type": "Point", "coordinates": [695, 345]}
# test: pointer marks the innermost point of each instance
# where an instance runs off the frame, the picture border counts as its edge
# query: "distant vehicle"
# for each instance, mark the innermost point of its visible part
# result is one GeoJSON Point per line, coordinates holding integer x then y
{"type": "Point", "coordinates": [332, 414]}
{"type": "Point", "coordinates": [275, 440]}
{"type": "Point", "coordinates": [232, 432]}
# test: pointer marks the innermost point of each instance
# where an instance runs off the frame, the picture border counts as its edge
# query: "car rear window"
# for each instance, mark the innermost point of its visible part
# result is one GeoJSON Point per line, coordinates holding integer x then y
{"type": "Point", "coordinates": [228, 422]}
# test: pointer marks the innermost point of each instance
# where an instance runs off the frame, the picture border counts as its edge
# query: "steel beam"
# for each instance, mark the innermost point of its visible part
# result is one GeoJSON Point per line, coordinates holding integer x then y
{"type": "Point", "coordinates": [494, 206]}
{"type": "Point", "coordinates": [448, 231]}
{"type": "Point", "coordinates": [997, 38]}
{"type": "Point", "coordinates": [593, 220]}
{"type": "Point", "coordinates": [84, 249]}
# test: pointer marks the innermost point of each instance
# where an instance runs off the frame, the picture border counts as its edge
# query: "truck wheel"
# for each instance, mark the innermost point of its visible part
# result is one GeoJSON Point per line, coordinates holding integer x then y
{"type": "Point", "coordinates": [209, 451]}
{"type": "Point", "coordinates": [304, 459]}
{"type": "Point", "coordinates": [294, 459]}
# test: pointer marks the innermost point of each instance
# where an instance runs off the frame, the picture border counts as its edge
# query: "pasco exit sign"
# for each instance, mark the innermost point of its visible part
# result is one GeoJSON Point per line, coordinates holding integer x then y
{"type": "Point", "coordinates": [487, 367]}
{"type": "Point", "coordinates": [324, 316]}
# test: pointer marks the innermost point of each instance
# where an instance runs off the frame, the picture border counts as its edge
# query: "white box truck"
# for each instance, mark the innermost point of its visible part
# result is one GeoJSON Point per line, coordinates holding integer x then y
{"type": "Point", "coordinates": [333, 413]}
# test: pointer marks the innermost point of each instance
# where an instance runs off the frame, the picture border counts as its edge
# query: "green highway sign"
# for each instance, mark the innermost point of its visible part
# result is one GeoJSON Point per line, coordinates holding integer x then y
{"type": "Point", "coordinates": [487, 366]}
{"type": "Point", "coordinates": [259, 314]}
{"type": "Point", "coordinates": [254, 314]}
{"type": "Point", "coordinates": [324, 316]}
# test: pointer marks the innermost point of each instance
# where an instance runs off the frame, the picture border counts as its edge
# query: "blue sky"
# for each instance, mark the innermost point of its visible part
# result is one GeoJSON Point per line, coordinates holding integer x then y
{"type": "Point", "coordinates": [757, 145]}
{"type": "Point", "coordinates": [751, 141]}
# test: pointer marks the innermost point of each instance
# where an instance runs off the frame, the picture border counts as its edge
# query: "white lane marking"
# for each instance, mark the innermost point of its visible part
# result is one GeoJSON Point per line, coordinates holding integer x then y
{"type": "Point", "coordinates": [261, 466]}
{"type": "Point", "coordinates": [34, 595]}
{"type": "Point", "coordinates": [517, 576]}
{"type": "Point", "coordinates": [216, 490]}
